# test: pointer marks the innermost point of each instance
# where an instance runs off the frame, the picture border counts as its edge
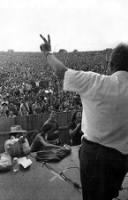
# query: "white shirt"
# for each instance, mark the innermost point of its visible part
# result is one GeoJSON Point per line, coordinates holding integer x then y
{"type": "Point", "coordinates": [105, 106]}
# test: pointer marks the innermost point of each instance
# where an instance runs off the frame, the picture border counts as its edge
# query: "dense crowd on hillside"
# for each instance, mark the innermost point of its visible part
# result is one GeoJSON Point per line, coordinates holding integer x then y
{"type": "Point", "coordinates": [29, 86]}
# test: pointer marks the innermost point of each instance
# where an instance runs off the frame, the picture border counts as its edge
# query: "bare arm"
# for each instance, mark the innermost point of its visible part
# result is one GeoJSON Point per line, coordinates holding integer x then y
{"type": "Point", "coordinates": [46, 144]}
{"type": "Point", "coordinates": [53, 61]}
{"type": "Point", "coordinates": [57, 65]}
{"type": "Point", "coordinates": [75, 80]}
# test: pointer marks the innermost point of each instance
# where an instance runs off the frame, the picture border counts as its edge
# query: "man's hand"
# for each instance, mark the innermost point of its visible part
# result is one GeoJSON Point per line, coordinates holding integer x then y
{"type": "Point", "coordinates": [46, 46]}
{"type": "Point", "coordinates": [54, 62]}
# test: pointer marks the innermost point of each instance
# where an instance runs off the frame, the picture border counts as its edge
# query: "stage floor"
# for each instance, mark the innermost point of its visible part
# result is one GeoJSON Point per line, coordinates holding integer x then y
{"type": "Point", "coordinates": [42, 182]}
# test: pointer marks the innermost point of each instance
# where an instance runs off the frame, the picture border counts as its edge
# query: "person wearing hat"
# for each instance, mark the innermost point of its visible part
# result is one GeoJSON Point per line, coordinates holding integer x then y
{"type": "Point", "coordinates": [17, 131]}
{"type": "Point", "coordinates": [18, 144]}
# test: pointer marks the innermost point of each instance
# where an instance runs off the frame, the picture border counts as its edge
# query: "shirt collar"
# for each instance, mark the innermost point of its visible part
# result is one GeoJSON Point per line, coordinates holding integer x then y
{"type": "Point", "coordinates": [121, 75]}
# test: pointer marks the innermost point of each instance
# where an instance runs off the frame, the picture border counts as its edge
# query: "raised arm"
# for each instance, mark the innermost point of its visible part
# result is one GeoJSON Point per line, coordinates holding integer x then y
{"type": "Point", "coordinates": [54, 62]}
{"type": "Point", "coordinates": [74, 80]}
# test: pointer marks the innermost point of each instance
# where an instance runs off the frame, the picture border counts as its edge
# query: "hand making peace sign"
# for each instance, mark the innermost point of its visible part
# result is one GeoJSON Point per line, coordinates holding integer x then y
{"type": "Point", "coordinates": [46, 46]}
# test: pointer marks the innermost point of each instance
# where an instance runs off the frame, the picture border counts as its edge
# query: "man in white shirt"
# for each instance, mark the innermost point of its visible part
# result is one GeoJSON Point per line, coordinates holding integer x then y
{"type": "Point", "coordinates": [104, 148]}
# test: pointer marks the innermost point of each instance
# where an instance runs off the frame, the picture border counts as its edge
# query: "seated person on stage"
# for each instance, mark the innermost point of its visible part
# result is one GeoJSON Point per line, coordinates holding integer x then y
{"type": "Point", "coordinates": [17, 144]}
{"type": "Point", "coordinates": [50, 129]}
{"type": "Point", "coordinates": [75, 132]}
{"type": "Point", "coordinates": [39, 143]}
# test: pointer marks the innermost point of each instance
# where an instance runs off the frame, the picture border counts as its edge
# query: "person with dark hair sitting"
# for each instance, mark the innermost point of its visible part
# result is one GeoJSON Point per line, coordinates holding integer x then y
{"type": "Point", "coordinates": [75, 131]}
{"type": "Point", "coordinates": [39, 143]}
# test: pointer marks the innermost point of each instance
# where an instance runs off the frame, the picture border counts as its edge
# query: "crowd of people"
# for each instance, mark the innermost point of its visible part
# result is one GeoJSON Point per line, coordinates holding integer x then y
{"type": "Point", "coordinates": [29, 86]}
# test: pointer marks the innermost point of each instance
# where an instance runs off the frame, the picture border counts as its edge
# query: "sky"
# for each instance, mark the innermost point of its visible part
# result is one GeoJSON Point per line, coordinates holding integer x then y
{"type": "Point", "coordinates": [85, 25]}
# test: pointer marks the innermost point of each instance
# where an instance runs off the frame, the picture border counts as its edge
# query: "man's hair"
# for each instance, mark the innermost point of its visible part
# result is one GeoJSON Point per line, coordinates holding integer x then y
{"type": "Point", "coordinates": [119, 58]}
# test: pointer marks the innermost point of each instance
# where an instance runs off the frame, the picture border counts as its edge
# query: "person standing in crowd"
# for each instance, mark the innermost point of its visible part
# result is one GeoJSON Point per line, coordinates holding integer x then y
{"type": "Point", "coordinates": [75, 132]}
{"type": "Point", "coordinates": [24, 109]}
{"type": "Point", "coordinates": [104, 149]}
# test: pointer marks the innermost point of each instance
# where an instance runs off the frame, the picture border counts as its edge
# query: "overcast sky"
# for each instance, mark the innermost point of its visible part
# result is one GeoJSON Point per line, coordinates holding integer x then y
{"type": "Point", "coordinates": [73, 24]}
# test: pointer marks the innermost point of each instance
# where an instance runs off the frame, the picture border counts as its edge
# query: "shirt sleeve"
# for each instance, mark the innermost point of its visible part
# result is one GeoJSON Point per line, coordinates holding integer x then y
{"type": "Point", "coordinates": [79, 81]}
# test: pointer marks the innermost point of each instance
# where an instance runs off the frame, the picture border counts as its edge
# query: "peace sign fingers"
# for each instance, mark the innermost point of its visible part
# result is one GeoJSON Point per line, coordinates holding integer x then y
{"type": "Point", "coordinates": [49, 39]}
{"type": "Point", "coordinates": [46, 46]}
{"type": "Point", "coordinates": [43, 38]}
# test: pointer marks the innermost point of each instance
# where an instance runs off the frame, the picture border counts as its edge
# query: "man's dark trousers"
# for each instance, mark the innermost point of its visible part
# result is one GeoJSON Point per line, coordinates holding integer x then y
{"type": "Point", "coordinates": [102, 171]}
